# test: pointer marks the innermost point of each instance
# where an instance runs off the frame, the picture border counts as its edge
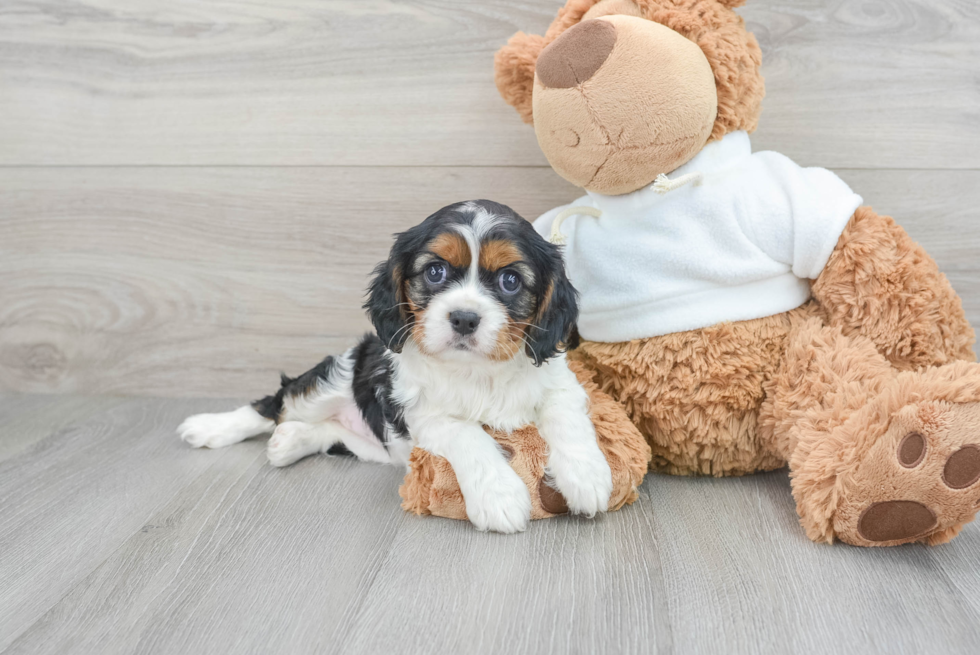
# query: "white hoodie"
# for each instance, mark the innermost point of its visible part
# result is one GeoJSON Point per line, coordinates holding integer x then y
{"type": "Point", "coordinates": [741, 244]}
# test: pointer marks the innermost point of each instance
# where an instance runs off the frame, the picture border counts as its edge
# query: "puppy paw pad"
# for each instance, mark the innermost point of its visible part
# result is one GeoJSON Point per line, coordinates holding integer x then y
{"type": "Point", "coordinates": [893, 520]}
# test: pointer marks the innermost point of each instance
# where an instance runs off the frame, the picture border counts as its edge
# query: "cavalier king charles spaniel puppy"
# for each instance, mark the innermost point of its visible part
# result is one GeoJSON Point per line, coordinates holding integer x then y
{"type": "Point", "coordinates": [473, 312]}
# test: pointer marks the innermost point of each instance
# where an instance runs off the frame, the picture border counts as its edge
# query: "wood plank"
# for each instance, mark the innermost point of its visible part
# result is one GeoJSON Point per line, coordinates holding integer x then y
{"type": "Point", "coordinates": [173, 281]}
{"type": "Point", "coordinates": [743, 577]}
{"type": "Point", "coordinates": [567, 585]}
{"type": "Point", "coordinates": [956, 565]}
{"type": "Point", "coordinates": [318, 557]}
{"type": "Point", "coordinates": [207, 282]}
{"type": "Point", "coordinates": [269, 562]}
{"type": "Point", "coordinates": [386, 82]}
{"type": "Point", "coordinates": [725, 560]}
{"type": "Point", "coordinates": [67, 503]}
{"type": "Point", "coordinates": [869, 84]}
{"type": "Point", "coordinates": [91, 617]}
{"type": "Point", "coordinates": [26, 419]}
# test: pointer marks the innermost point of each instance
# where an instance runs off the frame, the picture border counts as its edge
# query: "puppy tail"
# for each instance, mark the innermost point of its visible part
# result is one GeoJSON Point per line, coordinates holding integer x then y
{"type": "Point", "coordinates": [270, 407]}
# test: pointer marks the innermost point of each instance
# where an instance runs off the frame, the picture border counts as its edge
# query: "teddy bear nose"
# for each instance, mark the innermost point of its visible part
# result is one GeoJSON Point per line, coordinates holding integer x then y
{"type": "Point", "coordinates": [576, 55]}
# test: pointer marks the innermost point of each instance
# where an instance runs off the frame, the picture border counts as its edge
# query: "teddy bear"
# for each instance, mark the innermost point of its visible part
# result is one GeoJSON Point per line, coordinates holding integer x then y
{"type": "Point", "coordinates": [745, 312]}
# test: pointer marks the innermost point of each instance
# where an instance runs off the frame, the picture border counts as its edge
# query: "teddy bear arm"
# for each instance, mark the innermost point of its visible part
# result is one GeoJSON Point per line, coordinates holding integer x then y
{"type": "Point", "coordinates": [882, 285]}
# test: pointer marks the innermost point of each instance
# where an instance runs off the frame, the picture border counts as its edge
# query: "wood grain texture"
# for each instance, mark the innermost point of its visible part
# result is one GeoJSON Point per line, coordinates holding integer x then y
{"type": "Point", "coordinates": [217, 552]}
{"type": "Point", "coordinates": [208, 282]}
{"type": "Point", "coordinates": [181, 281]}
{"type": "Point", "coordinates": [27, 419]}
{"type": "Point", "coordinates": [69, 500]}
{"type": "Point", "coordinates": [861, 84]}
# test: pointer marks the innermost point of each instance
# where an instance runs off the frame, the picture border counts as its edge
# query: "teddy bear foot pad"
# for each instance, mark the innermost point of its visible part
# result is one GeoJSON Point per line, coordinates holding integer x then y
{"type": "Point", "coordinates": [923, 479]}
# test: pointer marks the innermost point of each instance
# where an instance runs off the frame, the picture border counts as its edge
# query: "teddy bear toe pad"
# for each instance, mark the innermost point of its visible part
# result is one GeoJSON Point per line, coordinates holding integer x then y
{"type": "Point", "coordinates": [893, 520]}
{"type": "Point", "coordinates": [962, 468]}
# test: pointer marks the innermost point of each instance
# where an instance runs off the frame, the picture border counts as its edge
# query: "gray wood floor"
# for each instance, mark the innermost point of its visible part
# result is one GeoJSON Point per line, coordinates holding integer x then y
{"type": "Point", "coordinates": [117, 538]}
{"type": "Point", "coordinates": [191, 196]}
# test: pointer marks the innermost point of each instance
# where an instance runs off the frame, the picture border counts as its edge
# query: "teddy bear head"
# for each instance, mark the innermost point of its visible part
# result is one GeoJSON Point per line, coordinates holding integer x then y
{"type": "Point", "coordinates": [620, 91]}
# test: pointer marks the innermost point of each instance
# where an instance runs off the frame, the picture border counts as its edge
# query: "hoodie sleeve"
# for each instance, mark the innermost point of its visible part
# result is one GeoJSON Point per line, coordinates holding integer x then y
{"type": "Point", "coordinates": [806, 211]}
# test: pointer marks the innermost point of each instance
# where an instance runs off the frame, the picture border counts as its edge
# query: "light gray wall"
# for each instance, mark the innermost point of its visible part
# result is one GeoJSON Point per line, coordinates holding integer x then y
{"type": "Point", "coordinates": [192, 194]}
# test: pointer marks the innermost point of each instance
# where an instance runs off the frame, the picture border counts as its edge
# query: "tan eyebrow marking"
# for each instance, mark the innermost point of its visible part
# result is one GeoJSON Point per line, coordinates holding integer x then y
{"type": "Point", "coordinates": [452, 249]}
{"type": "Point", "coordinates": [497, 254]}
{"type": "Point", "coordinates": [546, 301]}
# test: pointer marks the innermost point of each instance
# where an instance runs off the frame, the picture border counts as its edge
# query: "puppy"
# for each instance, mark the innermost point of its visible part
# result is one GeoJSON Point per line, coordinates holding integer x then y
{"type": "Point", "coordinates": [473, 312]}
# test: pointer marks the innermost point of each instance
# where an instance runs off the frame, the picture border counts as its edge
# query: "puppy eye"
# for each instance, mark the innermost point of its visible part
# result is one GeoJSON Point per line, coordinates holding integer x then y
{"type": "Point", "coordinates": [435, 273]}
{"type": "Point", "coordinates": [509, 282]}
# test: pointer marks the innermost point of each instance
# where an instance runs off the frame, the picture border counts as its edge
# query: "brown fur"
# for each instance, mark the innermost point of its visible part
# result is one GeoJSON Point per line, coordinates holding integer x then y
{"type": "Point", "coordinates": [545, 301]}
{"type": "Point", "coordinates": [452, 249]}
{"type": "Point", "coordinates": [509, 340]}
{"type": "Point", "coordinates": [696, 395]}
{"type": "Point", "coordinates": [418, 325]}
{"type": "Point", "coordinates": [838, 412]}
{"type": "Point", "coordinates": [430, 486]}
{"type": "Point", "coordinates": [497, 254]}
{"type": "Point", "coordinates": [881, 284]}
{"type": "Point", "coordinates": [731, 50]}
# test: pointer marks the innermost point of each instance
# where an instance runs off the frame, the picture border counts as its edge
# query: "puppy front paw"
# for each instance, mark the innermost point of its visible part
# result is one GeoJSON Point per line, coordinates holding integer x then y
{"type": "Point", "coordinates": [502, 506]}
{"type": "Point", "coordinates": [584, 478]}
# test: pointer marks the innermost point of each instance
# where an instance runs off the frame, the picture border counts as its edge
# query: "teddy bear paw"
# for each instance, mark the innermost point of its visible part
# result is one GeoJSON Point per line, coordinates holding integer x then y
{"type": "Point", "coordinates": [920, 482]}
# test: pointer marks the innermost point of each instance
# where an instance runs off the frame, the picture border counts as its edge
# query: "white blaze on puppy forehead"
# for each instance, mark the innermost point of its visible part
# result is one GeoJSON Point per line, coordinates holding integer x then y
{"type": "Point", "coordinates": [481, 225]}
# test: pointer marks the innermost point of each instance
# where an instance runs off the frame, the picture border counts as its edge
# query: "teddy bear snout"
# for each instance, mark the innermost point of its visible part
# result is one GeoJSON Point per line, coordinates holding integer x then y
{"type": "Point", "coordinates": [576, 55]}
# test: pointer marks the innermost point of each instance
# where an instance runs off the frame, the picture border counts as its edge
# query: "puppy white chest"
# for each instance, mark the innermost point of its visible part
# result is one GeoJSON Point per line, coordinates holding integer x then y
{"type": "Point", "coordinates": [502, 395]}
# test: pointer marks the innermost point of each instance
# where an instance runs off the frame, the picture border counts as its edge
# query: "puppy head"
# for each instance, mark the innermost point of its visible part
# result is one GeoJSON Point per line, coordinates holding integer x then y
{"type": "Point", "coordinates": [474, 281]}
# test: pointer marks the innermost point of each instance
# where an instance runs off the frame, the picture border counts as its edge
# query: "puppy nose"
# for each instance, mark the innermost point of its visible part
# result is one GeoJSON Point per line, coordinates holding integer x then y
{"type": "Point", "coordinates": [464, 322]}
{"type": "Point", "coordinates": [576, 55]}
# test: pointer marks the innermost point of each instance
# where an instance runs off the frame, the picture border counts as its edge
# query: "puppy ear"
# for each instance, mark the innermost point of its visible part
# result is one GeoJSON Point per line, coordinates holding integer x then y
{"type": "Point", "coordinates": [385, 305]}
{"type": "Point", "coordinates": [513, 71]}
{"type": "Point", "coordinates": [554, 330]}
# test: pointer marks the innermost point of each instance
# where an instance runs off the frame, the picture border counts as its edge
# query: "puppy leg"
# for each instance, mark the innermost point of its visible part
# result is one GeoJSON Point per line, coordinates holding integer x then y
{"type": "Point", "coordinates": [294, 440]}
{"type": "Point", "coordinates": [495, 496]}
{"type": "Point", "coordinates": [224, 429]}
{"type": "Point", "coordinates": [575, 462]}
{"type": "Point", "coordinates": [315, 396]}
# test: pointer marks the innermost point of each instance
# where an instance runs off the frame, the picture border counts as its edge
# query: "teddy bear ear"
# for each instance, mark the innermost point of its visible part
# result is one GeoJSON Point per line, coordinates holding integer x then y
{"type": "Point", "coordinates": [513, 71]}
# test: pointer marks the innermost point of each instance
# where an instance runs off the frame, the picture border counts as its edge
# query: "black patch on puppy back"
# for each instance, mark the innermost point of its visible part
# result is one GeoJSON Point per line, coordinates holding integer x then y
{"type": "Point", "coordinates": [372, 385]}
{"type": "Point", "coordinates": [271, 406]}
